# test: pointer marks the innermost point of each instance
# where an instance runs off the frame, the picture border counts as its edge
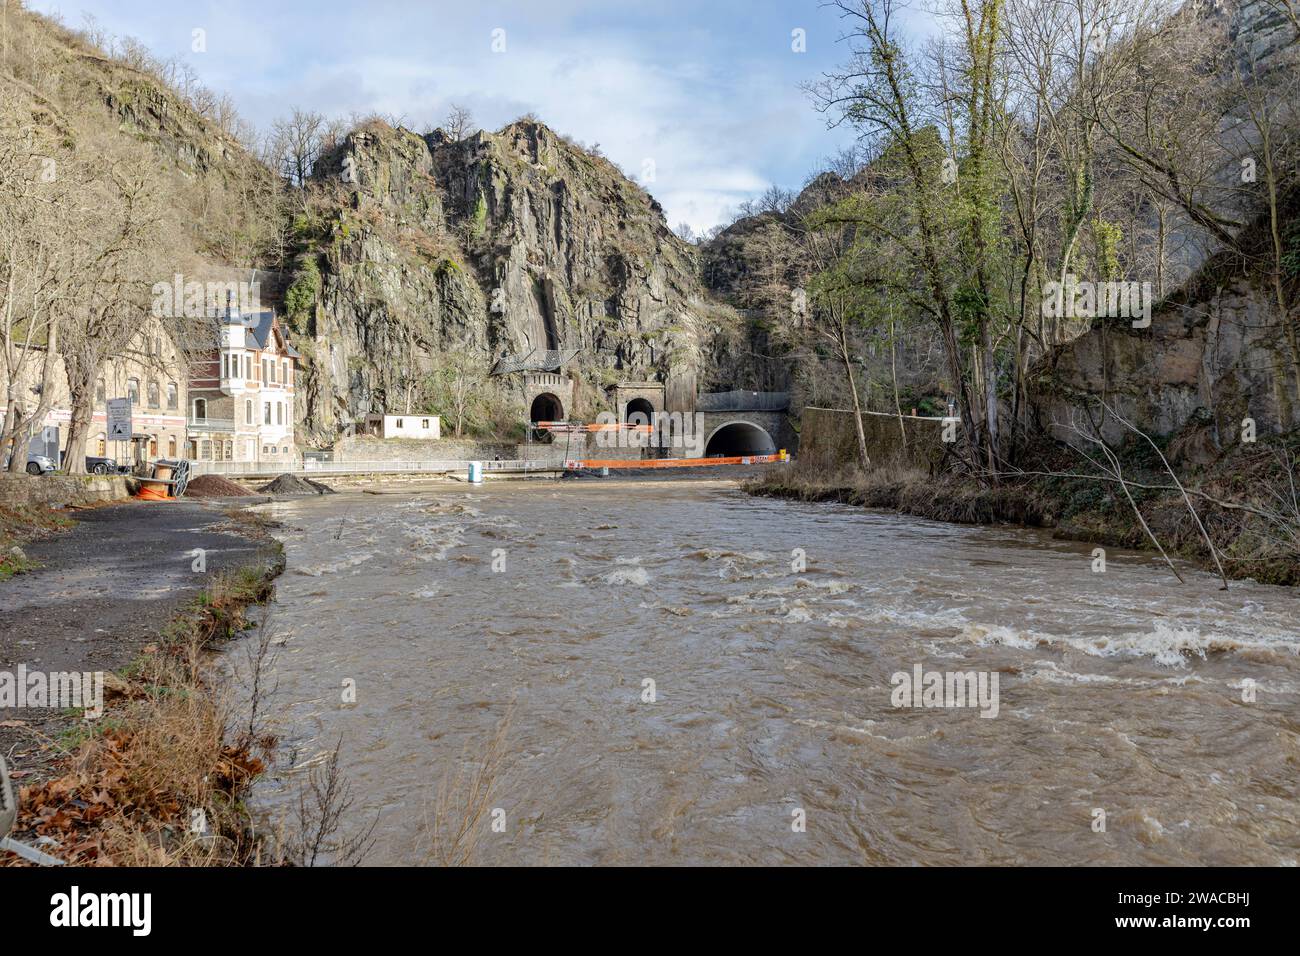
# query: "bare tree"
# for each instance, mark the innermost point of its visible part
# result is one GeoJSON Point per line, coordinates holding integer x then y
{"type": "Point", "coordinates": [113, 257]}
{"type": "Point", "coordinates": [459, 123]}
{"type": "Point", "coordinates": [295, 145]}
{"type": "Point", "coordinates": [33, 205]}
{"type": "Point", "coordinates": [776, 200]}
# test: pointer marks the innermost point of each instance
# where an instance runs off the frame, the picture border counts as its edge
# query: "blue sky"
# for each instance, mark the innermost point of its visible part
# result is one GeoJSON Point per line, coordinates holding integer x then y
{"type": "Point", "coordinates": [708, 90]}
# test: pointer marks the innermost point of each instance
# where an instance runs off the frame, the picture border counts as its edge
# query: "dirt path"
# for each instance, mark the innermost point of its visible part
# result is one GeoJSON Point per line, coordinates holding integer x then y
{"type": "Point", "coordinates": [102, 592]}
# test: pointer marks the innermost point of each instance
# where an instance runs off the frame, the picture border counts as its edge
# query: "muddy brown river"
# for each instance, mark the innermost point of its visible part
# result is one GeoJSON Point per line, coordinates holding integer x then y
{"type": "Point", "coordinates": [502, 640]}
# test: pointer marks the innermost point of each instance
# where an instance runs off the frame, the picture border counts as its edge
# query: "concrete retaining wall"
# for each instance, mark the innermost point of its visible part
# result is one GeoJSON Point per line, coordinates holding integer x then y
{"type": "Point", "coordinates": [61, 491]}
{"type": "Point", "coordinates": [367, 448]}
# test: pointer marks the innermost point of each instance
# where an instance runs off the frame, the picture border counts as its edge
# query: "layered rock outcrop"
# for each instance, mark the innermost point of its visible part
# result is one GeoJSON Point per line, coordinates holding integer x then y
{"type": "Point", "coordinates": [498, 244]}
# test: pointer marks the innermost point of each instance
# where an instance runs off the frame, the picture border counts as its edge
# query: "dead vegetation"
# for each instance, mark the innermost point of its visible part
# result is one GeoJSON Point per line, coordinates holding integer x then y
{"type": "Point", "coordinates": [1239, 517]}
{"type": "Point", "coordinates": [463, 801]}
{"type": "Point", "coordinates": [159, 779]}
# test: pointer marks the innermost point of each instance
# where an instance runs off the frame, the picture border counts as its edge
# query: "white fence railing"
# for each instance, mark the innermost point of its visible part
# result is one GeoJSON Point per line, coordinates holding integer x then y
{"type": "Point", "coordinates": [212, 424]}
{"type": "Point", "coordinates": [309, 467]}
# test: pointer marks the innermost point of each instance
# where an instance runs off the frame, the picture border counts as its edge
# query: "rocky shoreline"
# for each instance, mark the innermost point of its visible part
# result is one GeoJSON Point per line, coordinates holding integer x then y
{"type": "Point", "coordinates": [1074, 508]}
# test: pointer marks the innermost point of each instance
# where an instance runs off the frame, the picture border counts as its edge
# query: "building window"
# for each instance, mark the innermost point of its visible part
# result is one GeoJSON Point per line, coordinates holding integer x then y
{"type": "Point", "coordinates": [424, 423]}
{"type": "Point", "coordinates": [153, 446]}
{"type": "Point", "coordinates": [266, 413]}
{"type": "Point", "coordinates": [172, 397]}
{"type": "Point", "coordinates": [171, 446]}
{"type": "Point", "coordinates": [248, 412]}
{"type": "Point", "coordinates": [99, 391]}
{"type": "Point", "coordinates": [266, 370]}
{"type": "Point", "coordinates": [205, 450]}
{"type": "Point", "coordinates": [279, 413]}
{"type": "Point", "coordinates": [230, 450]}
{"type": "Point", "coordinates": [153, 394]}
{"type": "Point", "coordinates": [101, 447]}
{"type": "Point", "coordinates": [133, 390]}
{"type": "Point", "coordinates": [200, 408]}
{"type": "Point", "coordinates": [285, 376]}
{"type": "Point", "coordinates": [398, 423]}
{"type": "Point", "coordinates": [286, 449]}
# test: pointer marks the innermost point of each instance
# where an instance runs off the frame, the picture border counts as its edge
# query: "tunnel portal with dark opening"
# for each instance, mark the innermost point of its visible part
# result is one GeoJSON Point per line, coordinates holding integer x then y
{"type": "Point", "coordinates": [739, 439]}
{"type": "Point", "coordinates": [641, 408]}
{"type": "Point", "coordinates": [546, 408]}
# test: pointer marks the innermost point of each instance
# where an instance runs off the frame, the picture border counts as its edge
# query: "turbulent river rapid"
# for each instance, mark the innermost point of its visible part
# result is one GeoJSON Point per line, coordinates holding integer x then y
{"type": "Point", "coordinates": [640, 673]}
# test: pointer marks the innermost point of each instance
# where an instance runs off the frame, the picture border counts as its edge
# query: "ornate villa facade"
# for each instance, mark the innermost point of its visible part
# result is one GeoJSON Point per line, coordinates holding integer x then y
{"type": "Point", "coordinates": [241, 395]}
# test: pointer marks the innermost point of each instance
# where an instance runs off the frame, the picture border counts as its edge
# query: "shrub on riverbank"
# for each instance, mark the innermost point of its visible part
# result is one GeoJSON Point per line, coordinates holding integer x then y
{"type": "Point", "coordinates": [160, 778]}
{"type": "Point", "coordinates": [1247, 501]}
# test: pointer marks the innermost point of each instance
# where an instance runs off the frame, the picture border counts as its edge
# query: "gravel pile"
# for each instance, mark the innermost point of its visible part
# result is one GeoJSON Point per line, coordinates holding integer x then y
{"type": "Point", "coordinates": [214, 486]}
{"type": "Point", "coordinates": [295, 485]}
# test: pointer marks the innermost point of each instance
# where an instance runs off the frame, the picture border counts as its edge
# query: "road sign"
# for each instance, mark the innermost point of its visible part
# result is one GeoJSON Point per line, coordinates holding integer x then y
{"type": "Point", "coordinates": [119, 419]}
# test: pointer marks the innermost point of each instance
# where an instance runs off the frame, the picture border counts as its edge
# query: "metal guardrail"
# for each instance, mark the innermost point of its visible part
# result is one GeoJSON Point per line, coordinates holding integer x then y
{"type": "Point", "coordinates": [270, 468]}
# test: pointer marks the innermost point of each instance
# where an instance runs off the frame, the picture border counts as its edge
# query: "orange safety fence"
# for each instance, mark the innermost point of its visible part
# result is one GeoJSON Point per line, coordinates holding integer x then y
{"type": "Point", "coordinates": [676, 462]}
{"type": "Point", "coordinates": [594, 427]}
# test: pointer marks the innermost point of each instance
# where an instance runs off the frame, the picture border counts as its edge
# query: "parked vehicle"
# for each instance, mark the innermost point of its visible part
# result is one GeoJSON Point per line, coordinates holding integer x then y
{"type": "Point", "coordinates": [103, 466]}
{"type": "Point", "coordinates": [40, 465]}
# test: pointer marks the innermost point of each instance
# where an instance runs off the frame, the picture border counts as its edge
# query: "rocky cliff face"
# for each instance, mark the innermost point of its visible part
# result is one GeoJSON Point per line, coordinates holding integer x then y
{"type": "Point", "coordinates": [221, 199]}
{"type": "Point", "coordinates": [1222, 349]}
{"type": "Point", "coordinates": [1208, 362]}
{"type": "Point", "coordinates": [424, 248]}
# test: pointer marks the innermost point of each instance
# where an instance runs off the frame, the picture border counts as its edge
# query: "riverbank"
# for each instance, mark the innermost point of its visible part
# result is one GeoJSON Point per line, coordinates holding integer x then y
{"type": "Point", "coordinates": [1246, 502]}
{"type": "Point", "coordinates": [141, 593]}
{"type": "Point", "coordinates": [662, 672]}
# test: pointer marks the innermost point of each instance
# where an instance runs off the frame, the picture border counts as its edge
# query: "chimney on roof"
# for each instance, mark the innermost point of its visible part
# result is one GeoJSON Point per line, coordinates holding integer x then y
{"type": "Point", "coordinates": [232, 316]}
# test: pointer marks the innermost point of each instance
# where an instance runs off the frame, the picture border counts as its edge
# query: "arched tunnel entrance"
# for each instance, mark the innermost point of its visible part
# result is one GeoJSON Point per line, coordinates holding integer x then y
{"type": "Point", "coordinates": [739, 439]}
{"type": "Point", "coordinates": [641, 408]}
{"type": "Point", "coordinates": [546, 408]}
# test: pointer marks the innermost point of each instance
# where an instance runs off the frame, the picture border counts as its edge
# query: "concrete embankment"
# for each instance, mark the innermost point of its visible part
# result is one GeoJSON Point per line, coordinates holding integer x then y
{"type": "Point", "coordinates": [18, 492]}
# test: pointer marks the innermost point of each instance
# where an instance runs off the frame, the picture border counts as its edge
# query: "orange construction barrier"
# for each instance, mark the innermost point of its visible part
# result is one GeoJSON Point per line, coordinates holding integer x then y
{"type": "Point", "coordinates": [780, 456]}
{"type": "Point", "coordinates": [593, 427]}
{"type": "Point", "coordinates": [150, 491]}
